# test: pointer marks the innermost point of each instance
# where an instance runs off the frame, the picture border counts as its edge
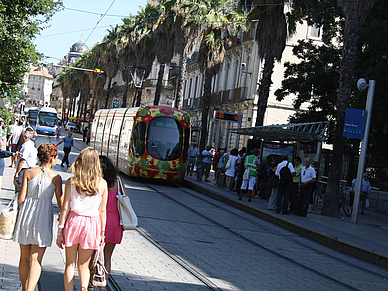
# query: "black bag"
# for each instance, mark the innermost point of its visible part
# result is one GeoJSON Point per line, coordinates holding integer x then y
{"type": "Point", "coordinates": [285, 175]}
{"type": "Point", "coordinates": [274, 182]}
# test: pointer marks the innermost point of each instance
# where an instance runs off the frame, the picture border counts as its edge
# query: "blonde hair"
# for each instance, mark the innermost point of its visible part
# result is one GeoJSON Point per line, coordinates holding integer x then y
{"type": "Point", "coordinates": [87, 172]}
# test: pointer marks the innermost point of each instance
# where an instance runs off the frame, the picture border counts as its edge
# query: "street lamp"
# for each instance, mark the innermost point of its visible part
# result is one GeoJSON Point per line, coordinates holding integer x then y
{"type": "Point", "coordinates": [362, 85]}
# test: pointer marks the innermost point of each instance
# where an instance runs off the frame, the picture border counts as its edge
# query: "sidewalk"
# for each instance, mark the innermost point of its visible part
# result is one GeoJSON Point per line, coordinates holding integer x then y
{"type": "Point", "coordinates": [368, 240]}
{"type": "Point", "coordinates": [54, 258]}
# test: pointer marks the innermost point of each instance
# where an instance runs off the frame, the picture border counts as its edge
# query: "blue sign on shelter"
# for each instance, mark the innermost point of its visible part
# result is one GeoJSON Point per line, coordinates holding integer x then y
{"type": "Point", "coordinates": [354, 123]}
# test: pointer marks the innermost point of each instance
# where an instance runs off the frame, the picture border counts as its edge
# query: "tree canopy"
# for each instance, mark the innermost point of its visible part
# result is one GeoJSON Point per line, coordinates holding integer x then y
{"type": "Point", "coordinates": [20, 22]}
{"type": "Point", "coordinates": [314, 78]}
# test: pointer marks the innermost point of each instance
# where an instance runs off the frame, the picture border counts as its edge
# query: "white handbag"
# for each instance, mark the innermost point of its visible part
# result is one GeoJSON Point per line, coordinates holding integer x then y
{"type": "Point", "coordinates": [128, 218]}
{"type": "Point", "coordinates": [8, 219]}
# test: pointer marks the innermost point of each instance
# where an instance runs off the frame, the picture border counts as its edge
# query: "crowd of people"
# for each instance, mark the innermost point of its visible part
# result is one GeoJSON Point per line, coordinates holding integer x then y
{"type": "Point", "coordinates": [288, 186]}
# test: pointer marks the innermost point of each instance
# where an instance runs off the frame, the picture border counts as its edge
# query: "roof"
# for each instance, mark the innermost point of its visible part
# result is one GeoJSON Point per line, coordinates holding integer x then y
{"type": "Point", "coordinates": [79, 47]}
{"type": "Point", "coordinates": [40, 73]}
{"type": "Point", "coordinates": [303, 132]}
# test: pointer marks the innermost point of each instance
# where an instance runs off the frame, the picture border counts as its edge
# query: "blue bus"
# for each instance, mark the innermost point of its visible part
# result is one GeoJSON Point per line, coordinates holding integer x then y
{"type": "Point", "coordinates": [47, 121]}
{"type": "Point", "coordinates": [33, 115]}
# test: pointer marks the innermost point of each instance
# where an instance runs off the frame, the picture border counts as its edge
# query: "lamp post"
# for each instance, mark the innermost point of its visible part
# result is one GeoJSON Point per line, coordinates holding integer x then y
{"type": "Point", "coordinates": [362, 85]}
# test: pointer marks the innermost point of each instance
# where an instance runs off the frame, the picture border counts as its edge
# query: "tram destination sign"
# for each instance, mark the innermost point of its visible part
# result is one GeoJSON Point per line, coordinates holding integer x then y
{"type": "Point", "coordinates": [227, 116]}
{"type": "Point", "coordinates": [354, 123]}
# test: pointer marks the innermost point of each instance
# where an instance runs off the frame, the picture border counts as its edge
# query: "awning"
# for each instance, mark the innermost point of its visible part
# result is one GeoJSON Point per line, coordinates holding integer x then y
{"type": "Point", "coordinates": [302, 132]}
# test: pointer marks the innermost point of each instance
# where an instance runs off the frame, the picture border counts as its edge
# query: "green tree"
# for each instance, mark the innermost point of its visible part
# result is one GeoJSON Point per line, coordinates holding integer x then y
{"type": "Point", "coordinates": [20, 22]}
{"type": "Point", "coordinates": [313, 79]}
{"type": "Point", "coordinates": [355, 13]}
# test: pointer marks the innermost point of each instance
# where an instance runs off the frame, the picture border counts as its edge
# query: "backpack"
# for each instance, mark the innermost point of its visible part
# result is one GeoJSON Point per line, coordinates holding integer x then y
{"type": "Point", "coordinates": [285, 174]}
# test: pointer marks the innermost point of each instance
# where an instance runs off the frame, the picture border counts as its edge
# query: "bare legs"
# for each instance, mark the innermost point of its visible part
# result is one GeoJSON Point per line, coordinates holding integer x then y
{"type": "Point", "coordinates": [108, 251]}
{"type": "Point", "coordinates": [84, 257]}
{"type": "Point", "coordinates": [30, 265]}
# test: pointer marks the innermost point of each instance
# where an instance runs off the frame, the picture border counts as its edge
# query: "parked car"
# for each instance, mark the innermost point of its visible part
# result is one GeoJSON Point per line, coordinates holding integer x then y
{"type": "Point", "coordinates": [70, 126]}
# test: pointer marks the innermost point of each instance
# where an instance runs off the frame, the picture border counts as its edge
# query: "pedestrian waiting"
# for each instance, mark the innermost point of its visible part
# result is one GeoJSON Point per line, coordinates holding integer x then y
{"type": "Point", "coordinates": [252, 165]}
{"type": "Point", "coordinates": [193, 154]}
{"type": "Point", "coordinates": [34, 225]}
{"type": "Point", "coordinates": [308, 178]}
{"type": "Point", "coordinates": [285, 171]}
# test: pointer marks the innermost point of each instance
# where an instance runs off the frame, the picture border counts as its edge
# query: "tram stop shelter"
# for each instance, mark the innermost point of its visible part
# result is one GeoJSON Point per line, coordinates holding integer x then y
{"type": "Point", "coordinates": [293, 132]}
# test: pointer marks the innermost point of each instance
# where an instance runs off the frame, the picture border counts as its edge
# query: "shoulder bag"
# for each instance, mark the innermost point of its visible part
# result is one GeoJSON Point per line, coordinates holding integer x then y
{"type": "Point", "coordinates": [97, 270]}
{"type": "Point", "coordinates": [128, 218]}
{"type": "Point", "coordinates": [8, 219]}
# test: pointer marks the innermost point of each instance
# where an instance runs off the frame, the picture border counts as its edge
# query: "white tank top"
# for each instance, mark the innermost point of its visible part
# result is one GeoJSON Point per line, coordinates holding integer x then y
{"type": "Point", "coordinates": [83, 204]}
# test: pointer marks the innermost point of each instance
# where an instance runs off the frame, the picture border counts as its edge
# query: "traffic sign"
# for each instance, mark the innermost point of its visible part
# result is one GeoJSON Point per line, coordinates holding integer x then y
{"type": "Point", "coordinates": [354, 123]}
{"type": "Point", "coordinates": [116, 102]}
{"type": "Point", "coordinates": [227, 116]}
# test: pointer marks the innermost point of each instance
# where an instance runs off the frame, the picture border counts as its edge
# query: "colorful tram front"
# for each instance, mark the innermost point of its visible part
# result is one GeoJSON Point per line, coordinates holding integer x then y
{"type": "Point", "coordinates": [150, 142]}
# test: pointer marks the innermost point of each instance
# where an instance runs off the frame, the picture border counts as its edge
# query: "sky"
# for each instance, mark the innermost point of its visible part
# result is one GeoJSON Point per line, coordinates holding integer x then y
{"type": "Point", "coordinates": [66, 26]}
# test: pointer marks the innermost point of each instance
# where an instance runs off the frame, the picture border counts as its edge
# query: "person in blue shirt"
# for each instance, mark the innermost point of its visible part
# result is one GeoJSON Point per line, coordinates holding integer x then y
{"type": "Point", "coordinates": [193, 153]}
{"type": "Point", "coordinates": [68, 143]}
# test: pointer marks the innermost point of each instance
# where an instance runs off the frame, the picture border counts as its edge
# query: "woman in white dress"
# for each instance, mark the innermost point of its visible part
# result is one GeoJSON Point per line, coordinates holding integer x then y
{"type": "Point", "coordinates": [34, 225]}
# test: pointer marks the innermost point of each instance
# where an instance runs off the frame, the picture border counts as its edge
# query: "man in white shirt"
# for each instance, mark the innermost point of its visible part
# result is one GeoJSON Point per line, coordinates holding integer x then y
{"type": "Point", "coordinates": [16, 133]}
{"type": "Point", "coordinates": [308, 178]}
{"type": "Point", "coordinates": [207, 156]}
{"type": "Point", "coordinates": [29, 157]}
{"type": "Point", "coordinates": [285, 185]}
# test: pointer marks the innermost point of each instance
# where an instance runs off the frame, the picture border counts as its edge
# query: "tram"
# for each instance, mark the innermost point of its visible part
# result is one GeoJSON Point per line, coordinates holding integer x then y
{"type": "Point", "coordinates": [150, 142]}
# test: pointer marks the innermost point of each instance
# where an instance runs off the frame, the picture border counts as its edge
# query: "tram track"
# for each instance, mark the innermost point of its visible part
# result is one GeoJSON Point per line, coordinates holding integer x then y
{"type": "Point", "coordinates": [263, 247]}
{"type": "Point", "coordinates": [287, 237]}
{"type": "Point", "coordinates": [112, 285]}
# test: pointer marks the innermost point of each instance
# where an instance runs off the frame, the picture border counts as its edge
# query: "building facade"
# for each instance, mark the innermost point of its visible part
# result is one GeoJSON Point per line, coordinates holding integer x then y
{"type": "Point", "coordinates": [39, 88]}
{"type": "Point", "coordinates": [235, 89]}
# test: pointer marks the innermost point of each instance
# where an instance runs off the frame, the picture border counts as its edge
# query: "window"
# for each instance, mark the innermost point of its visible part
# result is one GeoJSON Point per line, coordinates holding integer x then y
{"type": "Point", "coordinates": [38, 87]}
{"type": "Point", "coordinates": [164, 138]}
{"type": "Point", "coordinates": [138, 139]}
{"type": "Point", "coordinates": [315, 32]}
{"type": "Point", "coordinates": [195, 87]}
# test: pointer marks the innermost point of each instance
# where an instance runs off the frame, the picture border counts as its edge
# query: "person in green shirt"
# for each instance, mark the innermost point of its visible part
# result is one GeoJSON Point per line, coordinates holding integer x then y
{"type": "Point", "coordinates": [251, 164]}
{"type": "Point", "coordinates": [295, 184]}
{"type": "Point", "coordinates": [9, 131]}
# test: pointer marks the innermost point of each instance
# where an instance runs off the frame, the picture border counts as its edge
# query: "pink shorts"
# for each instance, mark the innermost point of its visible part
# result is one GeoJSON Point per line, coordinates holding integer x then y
{"type": "Point", "coordinates": [82, 230]}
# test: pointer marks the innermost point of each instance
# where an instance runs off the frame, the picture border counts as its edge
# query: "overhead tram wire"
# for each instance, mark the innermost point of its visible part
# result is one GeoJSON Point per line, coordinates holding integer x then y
{"type": "Point", "coordinates": [95, 13]}
{"type": "Point", "coordinates": [102, 16]}
{"type": "Point", "coordinates": [73, 31]}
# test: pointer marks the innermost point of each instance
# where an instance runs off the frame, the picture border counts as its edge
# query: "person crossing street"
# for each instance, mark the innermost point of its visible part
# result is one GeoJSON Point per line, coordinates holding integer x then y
{"type": "Point", "coordinates": [68, 143]}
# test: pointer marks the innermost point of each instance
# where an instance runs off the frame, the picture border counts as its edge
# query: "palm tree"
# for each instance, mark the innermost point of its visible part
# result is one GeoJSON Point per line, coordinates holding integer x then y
{"type": "Point", "coordinates": [220, 24]}
{"type": "Point", "coordinates": [355, 13]}
{"type": "Point", "coordinates": [271, 35]}
{"type": "Point", "coordinates": [187, 32]}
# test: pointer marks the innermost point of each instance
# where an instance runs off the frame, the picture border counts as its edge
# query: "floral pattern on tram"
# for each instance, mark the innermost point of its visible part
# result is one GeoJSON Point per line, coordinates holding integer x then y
{"type": "Point", "coordinates": [147, 166]}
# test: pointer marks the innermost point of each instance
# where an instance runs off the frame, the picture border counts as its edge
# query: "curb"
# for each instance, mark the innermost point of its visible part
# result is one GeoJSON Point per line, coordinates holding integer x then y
{"type": "Point", "coordinates": [350, 248]}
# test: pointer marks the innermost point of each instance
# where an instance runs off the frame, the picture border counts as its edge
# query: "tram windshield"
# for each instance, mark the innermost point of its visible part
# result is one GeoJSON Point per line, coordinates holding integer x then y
{"type": "Point", "coordinates": [164, 138]}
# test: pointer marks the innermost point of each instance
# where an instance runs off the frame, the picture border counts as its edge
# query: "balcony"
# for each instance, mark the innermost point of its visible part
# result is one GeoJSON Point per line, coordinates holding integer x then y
{"type": "Point", "coordinates": [215, 98]}
{"type": "Point", "coordinates": [192, 103]}
{"type": "Point", "coordinates": [226, 96]}
{"type": "Point", "coordinates": [239, 94]}
{"type": "Point", "coordinates": [152, 83]}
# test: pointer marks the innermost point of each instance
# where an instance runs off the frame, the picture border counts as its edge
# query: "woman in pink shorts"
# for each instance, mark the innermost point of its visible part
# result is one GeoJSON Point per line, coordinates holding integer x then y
{"type": "Point", "coordinates": [83, 216]}
{"type": "Point", "coordinates": [114, 231]}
